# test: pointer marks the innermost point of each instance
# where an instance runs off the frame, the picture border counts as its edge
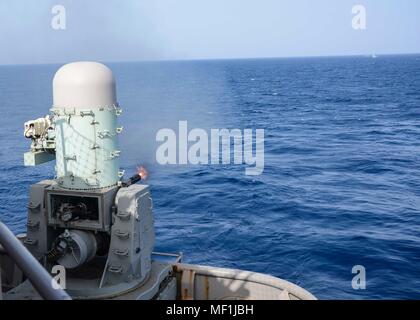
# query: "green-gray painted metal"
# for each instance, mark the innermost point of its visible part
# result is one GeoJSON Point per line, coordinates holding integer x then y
{"type": "Point", "coordinates": [32, 158]}
{"type": "Point", "coordinates": [87, 147]}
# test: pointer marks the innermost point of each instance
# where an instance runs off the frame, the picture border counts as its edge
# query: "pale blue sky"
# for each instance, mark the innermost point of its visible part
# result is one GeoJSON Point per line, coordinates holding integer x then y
{"type": "Point", "coordinates": [129, 30]}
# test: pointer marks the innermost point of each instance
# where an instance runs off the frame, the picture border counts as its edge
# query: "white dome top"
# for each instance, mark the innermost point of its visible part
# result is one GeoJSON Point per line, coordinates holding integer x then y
{"type": "Point", "coordinates": [84, 85]}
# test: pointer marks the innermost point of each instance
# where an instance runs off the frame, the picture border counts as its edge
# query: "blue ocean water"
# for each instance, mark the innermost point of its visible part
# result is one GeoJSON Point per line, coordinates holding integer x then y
{"type": "Point", "coordinates": [341, 184]}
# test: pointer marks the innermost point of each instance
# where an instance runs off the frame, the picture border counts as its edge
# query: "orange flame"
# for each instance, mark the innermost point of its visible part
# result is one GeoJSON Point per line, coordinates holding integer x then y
{"type": "Point", "coordinates": [142, 172]}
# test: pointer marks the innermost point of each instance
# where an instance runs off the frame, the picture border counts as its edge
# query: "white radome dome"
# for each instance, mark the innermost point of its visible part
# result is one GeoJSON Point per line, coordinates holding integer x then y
{"type": "Point", "coordinates": [84, 85]}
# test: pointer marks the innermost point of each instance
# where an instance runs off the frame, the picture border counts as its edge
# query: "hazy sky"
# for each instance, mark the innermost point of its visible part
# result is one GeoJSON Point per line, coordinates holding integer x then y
{"type": "Point", "coordinates": [122, 30]}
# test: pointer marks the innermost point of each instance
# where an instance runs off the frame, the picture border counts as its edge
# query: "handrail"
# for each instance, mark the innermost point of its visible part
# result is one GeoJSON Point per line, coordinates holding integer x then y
{"type": "Point", "coordinates": [39, 277]}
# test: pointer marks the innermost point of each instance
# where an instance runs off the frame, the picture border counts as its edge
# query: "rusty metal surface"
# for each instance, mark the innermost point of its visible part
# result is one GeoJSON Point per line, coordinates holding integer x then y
{"type": "Point", "coordinates": [187, 284]}
{"type": "Point", "coordinates": [210, 283]}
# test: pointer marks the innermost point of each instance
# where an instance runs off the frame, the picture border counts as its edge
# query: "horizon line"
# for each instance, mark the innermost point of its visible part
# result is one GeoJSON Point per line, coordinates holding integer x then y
{"type": "Point", "coordinates": [218, 59]}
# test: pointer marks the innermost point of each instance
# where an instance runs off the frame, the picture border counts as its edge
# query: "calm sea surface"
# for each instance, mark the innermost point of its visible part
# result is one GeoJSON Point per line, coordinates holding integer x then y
{"type": "Point", "coordinates": [341, 185]}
